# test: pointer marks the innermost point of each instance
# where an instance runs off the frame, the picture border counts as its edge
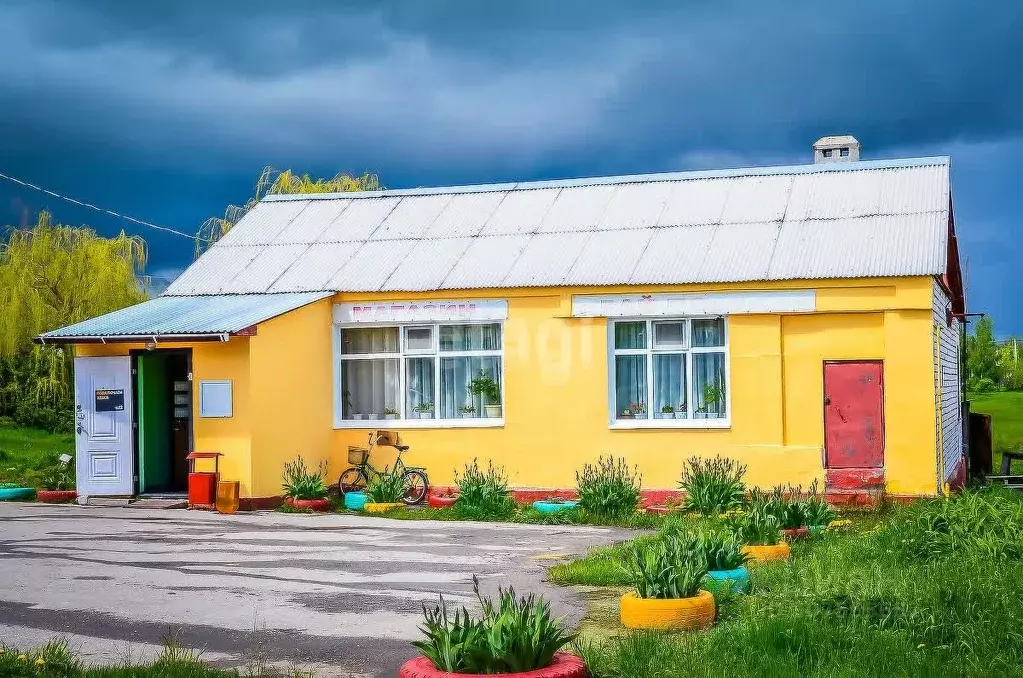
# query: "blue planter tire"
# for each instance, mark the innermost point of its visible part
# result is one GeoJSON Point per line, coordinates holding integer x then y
{"type": "Point", "coordinates": [736, 581]}
{"type": "Point", "coordinates": [355, 501]}
{"type": "Point", "coordinates": [554, 507]}
{"type": "Point", "coordinates": [12, 493]}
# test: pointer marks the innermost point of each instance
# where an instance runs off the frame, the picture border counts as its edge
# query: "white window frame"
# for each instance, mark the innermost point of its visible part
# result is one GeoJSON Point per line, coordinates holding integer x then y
{"type": "Point", "coordinates": [403, 420]}
{"type": "Point", "coordinates": [650, 421]}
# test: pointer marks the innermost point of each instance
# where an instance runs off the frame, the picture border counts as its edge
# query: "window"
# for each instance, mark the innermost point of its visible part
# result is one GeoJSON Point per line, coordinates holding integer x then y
{"type": "Point", "coordinates": [669, 369]}
{"type": "Point", "coordinates": [827, 152]}
{"type": "Point", "coordinates": [420, 372]}
{"type": "Point", "coordinates": [844, 152]}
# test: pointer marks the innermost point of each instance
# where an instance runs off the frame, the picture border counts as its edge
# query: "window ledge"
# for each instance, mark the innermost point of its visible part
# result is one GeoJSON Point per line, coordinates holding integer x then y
{"type": "Point", "coordinates": [629, 424]}
{"type": "Point", "coordinates": [477, 422]}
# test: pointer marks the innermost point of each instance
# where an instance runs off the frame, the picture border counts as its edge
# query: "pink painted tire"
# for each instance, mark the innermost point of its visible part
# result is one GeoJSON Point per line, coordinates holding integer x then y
{"type": "Point", "coordinates": [437, 501]}
{"type": "Point", "coordinates": [564, 666]}
{"type": "Point", "coordinates": [796, 533]}
{"type": "Point", "coordinates": [56, 496]}
{"type": "Point", "coordinates": [318, 505]}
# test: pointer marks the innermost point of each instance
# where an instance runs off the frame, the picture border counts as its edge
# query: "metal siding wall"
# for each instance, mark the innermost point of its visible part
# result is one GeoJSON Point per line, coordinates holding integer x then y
{"type": "Point", "coordinates": [947, 385]}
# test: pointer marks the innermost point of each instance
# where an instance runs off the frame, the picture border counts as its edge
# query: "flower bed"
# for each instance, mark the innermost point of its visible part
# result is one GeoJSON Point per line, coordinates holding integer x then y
{"type": "Point", "coordinates": [56, 496]}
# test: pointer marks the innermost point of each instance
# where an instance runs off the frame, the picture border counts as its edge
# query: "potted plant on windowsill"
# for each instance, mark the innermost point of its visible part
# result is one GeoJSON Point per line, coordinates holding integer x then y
{"type": "Point", "coordinates": [484, 386]}
{"type": "Point", "coordinates": [669, 589]}
{"type": "Point", "coordinates": [667, 412]}
{"type": "Point", "coordinates": [423, 410]}
{"type": "Point", "coordinates": [680, 411]}
{"type": "Point", "coordinates": [635, 410]}
{"type": "Point", "coordinates": [304, 488]}
{"type": "Point", "coordinates": [711, 395]}
{"type": "Point", "coordinates": [385, 492]}
{"type": "Point", "coordinates": [515, 636]}
{"type": "Point", "coordinates": [468, 411]}
{"type": "Point", "coordinates": [390, 413]}
{"type": "Point", "coordinates": [59, 482]}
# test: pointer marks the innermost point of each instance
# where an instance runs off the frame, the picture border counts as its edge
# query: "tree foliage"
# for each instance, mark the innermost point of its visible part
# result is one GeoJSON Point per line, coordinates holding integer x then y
{"type": "Point", "coordinates": [983, 372]}
{"type": "Point", "coordinates": [272, 181]}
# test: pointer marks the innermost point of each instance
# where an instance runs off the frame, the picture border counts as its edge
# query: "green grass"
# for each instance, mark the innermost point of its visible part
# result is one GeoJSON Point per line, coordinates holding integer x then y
{"type": "Point", "coordinates": [1006, 410]}
{"type": "Point", "coordinates": [930, 589]}
{"type": "Point", "coordinates": [24, 451]}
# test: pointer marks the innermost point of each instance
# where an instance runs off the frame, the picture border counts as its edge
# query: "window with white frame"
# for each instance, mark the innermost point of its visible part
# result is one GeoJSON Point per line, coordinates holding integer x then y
{"type": "Point", "coordinates": [669, 369]}
{"type": "Point", "coordinates": [422, 371]}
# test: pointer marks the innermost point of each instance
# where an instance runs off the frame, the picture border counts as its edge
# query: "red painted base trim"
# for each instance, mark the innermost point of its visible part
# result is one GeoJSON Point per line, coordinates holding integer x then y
{"type": "Point", "coordinates": [854, 478]}
{"type": "Point", "coordinates": [527, 495]}
{"type": "Point", "coordinates": [958, 480]}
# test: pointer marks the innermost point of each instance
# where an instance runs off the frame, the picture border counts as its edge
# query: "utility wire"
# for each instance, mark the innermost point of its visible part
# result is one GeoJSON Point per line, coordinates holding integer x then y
{"type": "Point", "coordinates": [118, 215]}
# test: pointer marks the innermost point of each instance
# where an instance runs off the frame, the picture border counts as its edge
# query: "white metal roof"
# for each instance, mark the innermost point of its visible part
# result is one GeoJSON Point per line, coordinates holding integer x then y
{"type": "Point", "coordinates": [857, 219]}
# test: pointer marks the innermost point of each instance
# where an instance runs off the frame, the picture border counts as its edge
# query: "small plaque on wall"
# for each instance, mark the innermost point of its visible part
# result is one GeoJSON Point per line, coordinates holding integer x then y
{"type": "Point", "coordinates": [215, 399]}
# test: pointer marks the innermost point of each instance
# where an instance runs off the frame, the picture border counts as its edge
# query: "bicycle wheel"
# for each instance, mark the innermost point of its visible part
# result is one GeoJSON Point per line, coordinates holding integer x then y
{"type": "Point", "coordinates": [415, 484]}
{"type": "Point", "coordinates": [352, 480]}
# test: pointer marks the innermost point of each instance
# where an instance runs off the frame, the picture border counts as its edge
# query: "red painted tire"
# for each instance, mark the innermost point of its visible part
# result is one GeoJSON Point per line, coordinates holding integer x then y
{"type": "Point", "coordinates": [796, 533]}
{"type": "Point", "coordinates": [318, 505]}
{"type": "Point", "coordinates": [437, 501]}
{"type": "Point", "coordinates": [564, 666]}
{"type": "Point", "coordinates": [56, 496]}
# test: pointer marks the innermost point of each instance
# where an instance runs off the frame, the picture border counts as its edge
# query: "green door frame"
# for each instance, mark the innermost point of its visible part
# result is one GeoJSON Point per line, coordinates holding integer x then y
{"type": "Point", "coordinates": [152, 426]}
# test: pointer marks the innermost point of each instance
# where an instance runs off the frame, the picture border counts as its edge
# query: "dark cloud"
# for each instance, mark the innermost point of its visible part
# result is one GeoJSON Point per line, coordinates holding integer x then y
{"type": "Point", "coordinates": [169, 110]}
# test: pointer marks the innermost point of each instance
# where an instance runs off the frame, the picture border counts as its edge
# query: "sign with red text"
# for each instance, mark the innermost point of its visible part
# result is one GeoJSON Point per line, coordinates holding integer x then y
{"type": "Point", "coordinates": [420, 311]}
{"type": "Point", "coordinates": [704, 303]}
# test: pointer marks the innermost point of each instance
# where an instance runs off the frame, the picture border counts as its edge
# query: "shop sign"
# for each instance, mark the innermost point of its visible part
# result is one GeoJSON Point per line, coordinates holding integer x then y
{"type": "Point", "coordinates": [421, 311]}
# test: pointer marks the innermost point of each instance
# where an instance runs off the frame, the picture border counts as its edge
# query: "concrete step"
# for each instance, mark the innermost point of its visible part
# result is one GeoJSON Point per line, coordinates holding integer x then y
{"type": "Point", "coordinates": [176, 503]}
{"type": "Point", "coordinates": [108, 501]}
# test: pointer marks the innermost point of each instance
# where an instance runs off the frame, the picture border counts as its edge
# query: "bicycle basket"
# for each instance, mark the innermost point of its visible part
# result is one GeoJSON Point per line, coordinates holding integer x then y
{"type": "Point", "coordinates": [357, 455]}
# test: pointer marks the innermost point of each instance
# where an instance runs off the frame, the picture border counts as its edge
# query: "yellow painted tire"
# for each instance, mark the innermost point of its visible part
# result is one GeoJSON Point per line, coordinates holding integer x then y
{"type": "Point", "coordinates": [763, 554]}
{"type": "Point", "coordinates": [381, 507]}
{"type": "Point", "coordinates": [677, 614]}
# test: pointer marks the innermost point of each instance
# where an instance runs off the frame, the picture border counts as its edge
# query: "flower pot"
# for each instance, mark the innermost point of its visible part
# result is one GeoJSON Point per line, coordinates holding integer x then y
{"type": "Point", "coordinates": [468, 415]}
{"type": "Point", "coordinates": [626, 415]}
{"type": "Point", "coordinates": [438, 501]}
{"type": "Point", "coordinates": [680, 415]}
{"type": "Point", "coordinates": [564, 666]}
{"type": "Point", "coordinates": [318, 505]}
{"type": "Point", "coordinates": [492, 411]}
{"type": "Point", "coordinates": [677, 614]}
{"type": "Point", "coordinates": [763, 554]}
{"type": "Point", "coordinates": [664, 415]}
{"type": "Point", "coordinates": [355, 501]}
{"type": "Point", "coordinates": [381, 507]}
{"type": "Point", "coordinates": [56, 496]}
{"type": "Point", "coordinates": [794, 533]}
{"type": "Point", "coordinates": [390, 416]}
{"type": "Point", "coordinates": [554, 506]}
{"type": "Point", "coordinates": [733, 581]}
{"type": "Point", "coordinates": [11, 493]}
{"type": "Point", "coordinates": [424, 415]}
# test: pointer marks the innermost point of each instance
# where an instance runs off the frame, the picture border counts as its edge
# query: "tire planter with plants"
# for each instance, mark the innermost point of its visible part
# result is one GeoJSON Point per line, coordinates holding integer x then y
{"type": "Point", "coordinates": [441, 501]}
{"type": "Point", "coordinates": [355, 501]}
{"type": "Point", "coordinates": [56, 496]}
{"type": "Point", "coordinates": [15, 493]}
{"type": "Point", "coordinates": [318, 505]}
{"type": "Point", "coordinates": [381, 507]}
{"type": "Point", "coordinates": [554, 506]}
{"type": "Point", "coordinates": [764, 554]}
{"type": "Point", "coordinates": [675, 614]}
{"type": "Point", "coordinates": [564, 666]}
{"type": "Point", "coordinates": [733, 581]}
{"type": "Point", "coordinates": [796, 533]}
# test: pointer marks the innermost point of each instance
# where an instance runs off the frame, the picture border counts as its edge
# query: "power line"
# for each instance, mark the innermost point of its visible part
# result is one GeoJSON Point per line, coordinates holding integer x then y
{"type": "Point", "coordinates": [118, 215]}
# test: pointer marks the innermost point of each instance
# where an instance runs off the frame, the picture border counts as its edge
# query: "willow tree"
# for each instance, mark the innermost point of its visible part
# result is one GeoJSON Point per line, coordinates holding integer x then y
{"type": "Point", "coordinates": [272, 181]}
{"type": "Point", "coordinates": [50, 276]}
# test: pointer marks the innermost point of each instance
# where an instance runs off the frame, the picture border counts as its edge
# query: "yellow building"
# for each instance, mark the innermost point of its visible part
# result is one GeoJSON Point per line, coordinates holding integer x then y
{"type": "Point", "coordinates": [804, 320]}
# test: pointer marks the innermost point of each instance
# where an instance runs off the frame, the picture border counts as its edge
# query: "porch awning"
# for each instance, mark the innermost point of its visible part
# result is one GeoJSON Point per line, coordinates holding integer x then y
{"type": "Point", "coordinates": [184, 318]}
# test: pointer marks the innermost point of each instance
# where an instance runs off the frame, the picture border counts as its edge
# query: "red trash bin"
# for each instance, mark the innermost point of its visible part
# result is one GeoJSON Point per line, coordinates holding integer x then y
{"type": "Point", "coordinates": [202, 485]}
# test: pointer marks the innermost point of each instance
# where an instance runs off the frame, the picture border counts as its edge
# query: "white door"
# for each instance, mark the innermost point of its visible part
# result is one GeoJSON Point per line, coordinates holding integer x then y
{"type": "Point", "coordinates": [103, 439]}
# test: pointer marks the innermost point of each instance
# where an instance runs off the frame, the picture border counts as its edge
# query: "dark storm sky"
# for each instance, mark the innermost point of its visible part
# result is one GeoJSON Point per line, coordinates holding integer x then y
{"type": "Point", "coordinates": [168, 111]}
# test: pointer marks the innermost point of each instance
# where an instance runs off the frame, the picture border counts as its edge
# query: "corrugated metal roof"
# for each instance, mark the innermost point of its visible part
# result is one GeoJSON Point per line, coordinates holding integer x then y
{"type": "Point", "coordinates": [852, 219]}
{"type": "Point", "coordinates": [178, 316]}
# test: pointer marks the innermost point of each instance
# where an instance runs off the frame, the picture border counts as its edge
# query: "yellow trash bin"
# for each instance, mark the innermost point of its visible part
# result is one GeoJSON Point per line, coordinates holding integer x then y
{"type": "Point", "coordinates": [227, 496]}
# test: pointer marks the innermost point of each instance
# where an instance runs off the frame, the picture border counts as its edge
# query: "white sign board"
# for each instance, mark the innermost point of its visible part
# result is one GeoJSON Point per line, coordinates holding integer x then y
{"type": "Point", "coordinates": [420, 311]}
{"type": "Point", "coordinates": [709, 303]}
{"type": "Point", "coordinates": [215, 399]}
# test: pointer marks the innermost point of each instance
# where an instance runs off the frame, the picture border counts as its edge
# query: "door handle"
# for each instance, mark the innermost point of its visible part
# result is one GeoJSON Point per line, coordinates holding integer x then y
{"type": "Point", "coordinates": [827, 400]}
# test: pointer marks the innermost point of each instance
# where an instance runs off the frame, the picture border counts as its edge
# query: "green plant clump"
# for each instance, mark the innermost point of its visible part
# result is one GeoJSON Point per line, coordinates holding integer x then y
{"type": "Point", "coordinates": [721, 550]}
{"type": "Point", "coordinates": [784, 504]}
{"type": "Point", "coordinates": [668, 569]}
{"type": "Point", "coordinates": [517, 634]}
{"type": "Point", "coordinates": [713, 486]}
{"type": "Point", "coordinates": [300, 482]}
{"type": "Point", "coordinates": [386, 487]}
{"type": "Point", "coordinates": [818, 510]}
{"type": "Point", "coordinates": [608, 489]}
{"type": "Point", "coordinates": [483, 495]}
{"type": "Point", "coordinates": [755, 525]}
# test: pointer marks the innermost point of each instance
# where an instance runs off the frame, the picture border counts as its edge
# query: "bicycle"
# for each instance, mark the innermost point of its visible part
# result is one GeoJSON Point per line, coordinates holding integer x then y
{"type": "Point", "coordinates": [356, 479]}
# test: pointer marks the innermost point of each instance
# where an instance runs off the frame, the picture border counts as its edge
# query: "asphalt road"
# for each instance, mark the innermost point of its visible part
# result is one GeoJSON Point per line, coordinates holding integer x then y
{"type": "Point", "coordinates": [340, 595]}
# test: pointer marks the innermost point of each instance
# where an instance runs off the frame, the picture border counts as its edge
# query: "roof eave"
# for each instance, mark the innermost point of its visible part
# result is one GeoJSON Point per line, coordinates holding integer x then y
{"type": "Point", "coordinates": [135, 338]}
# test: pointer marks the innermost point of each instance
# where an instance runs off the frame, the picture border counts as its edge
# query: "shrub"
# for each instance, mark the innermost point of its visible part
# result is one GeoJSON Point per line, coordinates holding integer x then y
{"type": "Point", "coordinates": [483, 495]}
{"type": "Point", "coordinates": [608, 489]}
{"type": "Point", "coordinates": [755, 525]}
{"type": "Point", "coordinates": [721, 550]}
{"type": "Point", "coordinates": [302, 483]}
{"type": "Point", "coordinates": [713, 485]}
{"type": "Point", "coordinates": [386, 487]}
{"type": "Point", "coordinates": [517, 634]}
{"type": "Point", "coordinates": [668, 569]}
{"type": "Point", "coordinates": [785, 505]}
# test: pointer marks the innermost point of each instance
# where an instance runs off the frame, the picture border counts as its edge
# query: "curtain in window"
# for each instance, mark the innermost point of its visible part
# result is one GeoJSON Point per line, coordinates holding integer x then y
{"type": "Point", "coordinates": [709, 385]}
{"type": "Point", "coordinates": [630, 335]}
{"type": "Point", "coordinates": [709, 332]}
{"type": "Point", "coordinates": [470, 337]}
{"type": "Point", "coordinates": [455, 377]}
{"type": "Point", "coordinates": [630, 382]}
{"type": "Point", "coordinates": [419, 387]}
{"type": "Point", "coordinates": [369, 340]}
{"type": "Point", "coordinates": [669, 382]}
{"type": "Point", "coordinates": [369, 387]}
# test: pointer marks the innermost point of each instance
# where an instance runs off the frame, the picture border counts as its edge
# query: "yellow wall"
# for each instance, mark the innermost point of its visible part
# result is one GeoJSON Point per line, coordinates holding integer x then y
{"type": "Point", "coordinates": [556, 391]}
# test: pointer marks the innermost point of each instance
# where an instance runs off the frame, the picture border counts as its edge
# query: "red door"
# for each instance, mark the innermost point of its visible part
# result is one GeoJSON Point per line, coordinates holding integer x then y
{"type": "Point", "coordinates": [853, 414]}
